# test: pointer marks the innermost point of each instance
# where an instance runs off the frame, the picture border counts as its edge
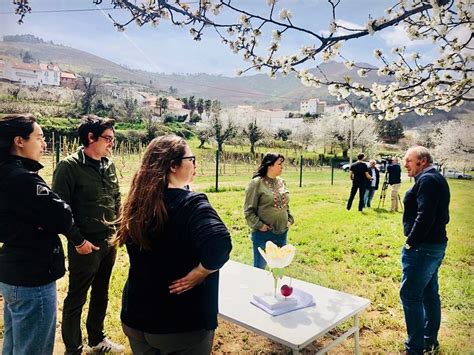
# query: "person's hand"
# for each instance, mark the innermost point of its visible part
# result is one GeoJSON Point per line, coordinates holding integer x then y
{"type": "Point", "coordinates": [264, 228]}
{"type": "Point", "coordinates": [86, 248]}
{"type": "Point", "coordinates": [193, 278]}
{"type": "Point", "coordinates": [288, 224]}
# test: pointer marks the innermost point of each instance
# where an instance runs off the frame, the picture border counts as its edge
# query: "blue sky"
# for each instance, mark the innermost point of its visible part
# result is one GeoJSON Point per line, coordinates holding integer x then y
{"type": "Point", "coordinates": [170, 49]}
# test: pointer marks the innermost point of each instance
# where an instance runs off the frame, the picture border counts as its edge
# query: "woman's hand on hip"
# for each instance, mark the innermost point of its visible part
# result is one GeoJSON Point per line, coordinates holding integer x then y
{"type": "Point", "coordinates": [193, 278]}
{"type": "Point", "coordinates": [86, 248]}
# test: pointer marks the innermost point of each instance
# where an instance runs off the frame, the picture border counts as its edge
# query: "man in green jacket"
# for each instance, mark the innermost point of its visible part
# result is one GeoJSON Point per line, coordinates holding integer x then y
{"type": "Point", "coordinates": [87, 181]}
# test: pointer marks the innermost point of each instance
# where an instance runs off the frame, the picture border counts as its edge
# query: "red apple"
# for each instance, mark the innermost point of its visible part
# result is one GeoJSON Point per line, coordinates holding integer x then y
{"type": "Point", "coordinates": [286, 290]}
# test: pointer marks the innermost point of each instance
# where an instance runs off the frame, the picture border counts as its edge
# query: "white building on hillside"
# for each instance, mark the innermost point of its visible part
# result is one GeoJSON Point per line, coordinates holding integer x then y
{"type": "Point", "coordinates": [51, 74]}
{"type": "Point", "coordinates": [312, 106]}
{"type": "Point", "coordinates": [269, 120]}
{"type": "Point", "coordinates": [23, 73]}
{"type": "Point", "coordinates": [30, 74]}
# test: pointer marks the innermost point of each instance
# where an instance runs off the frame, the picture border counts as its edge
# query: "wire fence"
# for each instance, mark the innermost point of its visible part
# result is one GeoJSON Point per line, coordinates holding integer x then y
{"type": "Point", "coordinates": [228, 170]}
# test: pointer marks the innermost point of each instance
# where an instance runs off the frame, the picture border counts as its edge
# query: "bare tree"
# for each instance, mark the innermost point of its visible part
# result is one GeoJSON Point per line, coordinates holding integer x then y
{"type": "Point", "coordinates": [253, 133]}
{"type": "Point", "coordinates": [218, 131]}
{"type": "Point", "coordinates": [162, 104]}
{"type": "Point", "coordinates": [203, 135]}
{"type": "Point", "coordinates": [14, 91]}
{"type": "Point", "coordinates": [90, 87]}
{"type": "Point", "coordinates": [129, 107]}
{"type": "Point", "coordinates": [200, 107]}
{"type": "Point", "coordinates": [207, 107]}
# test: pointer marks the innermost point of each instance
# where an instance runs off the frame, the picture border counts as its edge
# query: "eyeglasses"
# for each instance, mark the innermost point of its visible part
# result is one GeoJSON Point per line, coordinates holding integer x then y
{"type": "Point", "coordinates": [109, 139]}
{"type": "Point", "coordinates": [191, 158]}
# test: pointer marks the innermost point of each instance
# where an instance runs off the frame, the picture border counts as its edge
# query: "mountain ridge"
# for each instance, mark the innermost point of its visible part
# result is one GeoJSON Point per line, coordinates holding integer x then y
{"type": "Point", "coordinates": [257, 89]}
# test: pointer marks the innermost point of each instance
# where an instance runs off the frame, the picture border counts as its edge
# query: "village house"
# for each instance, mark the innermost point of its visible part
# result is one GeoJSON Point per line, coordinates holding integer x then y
{"type": "Point", "coordinates": [312, 106]}
{"type": "Point", "coordinates": [68, 80]}
{"type": "Point", "coordinates": [31, 74]}
{"type": "Point", "coordinates": [23, 73]}
{"type": "Point", "coordinates": [50, 74]}
{"type": "Point", "coordinates": [175, 106]}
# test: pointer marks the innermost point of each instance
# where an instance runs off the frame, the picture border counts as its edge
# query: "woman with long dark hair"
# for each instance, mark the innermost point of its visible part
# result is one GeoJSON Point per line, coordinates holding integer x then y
{"type": "Point", "coordinates": [176, 243]}
{"type": "Point", "coordinates": [266, 206]}
{"type": "Point", "coordinates": [31, 256]}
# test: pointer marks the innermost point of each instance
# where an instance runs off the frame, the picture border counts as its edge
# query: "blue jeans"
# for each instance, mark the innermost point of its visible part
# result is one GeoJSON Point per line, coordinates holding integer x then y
{"type": "Point", "coordinates": [419, 295]}
{"type": "Point", "coordinates": [368, 196]}
{"type": "Point", "coordinates": [259, 239]}
{"type": "Point", "coordinates": [30, 319]}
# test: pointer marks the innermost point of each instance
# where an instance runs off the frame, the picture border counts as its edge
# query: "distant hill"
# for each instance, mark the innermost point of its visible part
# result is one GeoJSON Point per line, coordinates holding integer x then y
{"type": "Point", "coordinates": [259, 90]}
{"type": "Point", "coordinates": [282, 92]}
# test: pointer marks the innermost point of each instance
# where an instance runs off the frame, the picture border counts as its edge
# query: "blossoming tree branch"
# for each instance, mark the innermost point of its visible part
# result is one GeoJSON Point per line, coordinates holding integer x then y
{"type": "Point", "coordinates": [413, 84]}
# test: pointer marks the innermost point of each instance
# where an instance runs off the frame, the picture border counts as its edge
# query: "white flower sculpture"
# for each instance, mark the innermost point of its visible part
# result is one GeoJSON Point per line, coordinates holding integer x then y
{"type": "Point", "coordinates": [277, 259]}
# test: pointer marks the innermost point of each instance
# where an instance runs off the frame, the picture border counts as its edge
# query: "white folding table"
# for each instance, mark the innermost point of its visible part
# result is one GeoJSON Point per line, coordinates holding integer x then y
{"type": "Point", "coordinates": [296, 329]}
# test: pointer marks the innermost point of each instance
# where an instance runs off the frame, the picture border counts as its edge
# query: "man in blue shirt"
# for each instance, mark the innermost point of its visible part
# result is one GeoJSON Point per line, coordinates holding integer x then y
{"type": "Point", "coordinates": [424, 223]}
{"type": "Point", "coordinates": [372, 185]}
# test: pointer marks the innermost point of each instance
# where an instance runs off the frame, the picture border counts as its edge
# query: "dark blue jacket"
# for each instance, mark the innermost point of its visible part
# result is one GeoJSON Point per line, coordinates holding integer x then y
{"type": "Point", "coordinates": [427, 209]}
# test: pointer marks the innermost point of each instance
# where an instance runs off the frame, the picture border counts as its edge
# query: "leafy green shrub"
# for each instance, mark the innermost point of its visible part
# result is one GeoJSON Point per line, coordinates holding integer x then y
{"type": "Point", "coordinates": [131, 137]}
{"type": "Point", "coordinates": [65, 127]}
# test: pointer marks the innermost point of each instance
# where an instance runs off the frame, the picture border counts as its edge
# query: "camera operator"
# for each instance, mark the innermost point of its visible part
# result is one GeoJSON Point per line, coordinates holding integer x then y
{"type": "Point", "coordinates": [394, 180]}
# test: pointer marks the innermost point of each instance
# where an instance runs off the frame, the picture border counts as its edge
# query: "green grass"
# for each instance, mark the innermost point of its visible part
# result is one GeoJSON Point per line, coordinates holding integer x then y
{"type": "Point", "coordinates": [357, 253]}
{"type": "Point", "coordinates": [354, 252]}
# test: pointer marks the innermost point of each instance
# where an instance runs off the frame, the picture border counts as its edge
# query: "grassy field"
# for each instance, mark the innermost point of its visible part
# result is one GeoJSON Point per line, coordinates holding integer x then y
{"type": "Point", "coordinates": [354, 252]}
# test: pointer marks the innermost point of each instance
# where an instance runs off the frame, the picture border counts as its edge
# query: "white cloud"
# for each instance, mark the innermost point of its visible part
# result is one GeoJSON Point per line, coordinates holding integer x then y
{"type": "Point", "coordinates": [340, 31]}
{"type": "Point", "coordinates": [397, 36]}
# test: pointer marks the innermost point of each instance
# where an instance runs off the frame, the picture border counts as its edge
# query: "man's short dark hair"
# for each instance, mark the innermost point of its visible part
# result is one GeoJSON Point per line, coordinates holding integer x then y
{"type": "Point", "coordinates": [95, 125]}
{"type": "Point", "coordinates": [360, 156]}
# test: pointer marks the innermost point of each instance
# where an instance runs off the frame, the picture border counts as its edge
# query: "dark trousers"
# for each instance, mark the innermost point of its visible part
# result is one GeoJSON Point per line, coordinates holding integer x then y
{"type": "Point", "coordinates": [197, 342]}
{"type": "Point", "coordinates": [420, 297]}
{"type": "Point", "coordinates": [91, 271]}
{"type": "Point", "coordinates": [355, 187]}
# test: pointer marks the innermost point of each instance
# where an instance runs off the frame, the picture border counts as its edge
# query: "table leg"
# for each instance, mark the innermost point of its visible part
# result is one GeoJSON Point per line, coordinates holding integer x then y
{"type": "Point", "coordinates": [356, 335]}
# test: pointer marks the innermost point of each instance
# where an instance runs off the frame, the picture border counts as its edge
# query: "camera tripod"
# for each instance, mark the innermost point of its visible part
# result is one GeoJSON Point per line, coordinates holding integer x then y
{"type": "Point", "coordinates": [383, 193]}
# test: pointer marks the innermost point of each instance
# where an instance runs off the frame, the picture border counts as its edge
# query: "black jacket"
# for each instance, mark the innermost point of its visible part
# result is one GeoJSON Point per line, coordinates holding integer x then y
{"type": "Point", "coordinates": [193, 234]}
{"type": "Point", "coordinates": [31, 216]}
{"type": "Point", "coordinates": [377, 178]}
{"type": "Point", "coordinates": [427, 209]}
{"type": "Point", "coordinates": [394, 174]}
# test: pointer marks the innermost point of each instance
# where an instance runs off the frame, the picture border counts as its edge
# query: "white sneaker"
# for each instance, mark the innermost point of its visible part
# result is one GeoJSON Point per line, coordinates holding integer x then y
{"type": "Point", "coordinates": [107, 346]}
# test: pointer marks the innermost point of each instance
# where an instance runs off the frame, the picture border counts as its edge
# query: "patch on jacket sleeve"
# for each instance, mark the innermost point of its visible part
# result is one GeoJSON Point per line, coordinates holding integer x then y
{"type": "Point", "coordinates": [42, 190]}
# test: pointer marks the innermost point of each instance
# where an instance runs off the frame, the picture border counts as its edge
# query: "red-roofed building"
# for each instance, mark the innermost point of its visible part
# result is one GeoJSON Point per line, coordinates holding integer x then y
{"type": "Point", "coordinates": [68, 80]}
{"type": "Point", "coordinates": [23, 73]}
